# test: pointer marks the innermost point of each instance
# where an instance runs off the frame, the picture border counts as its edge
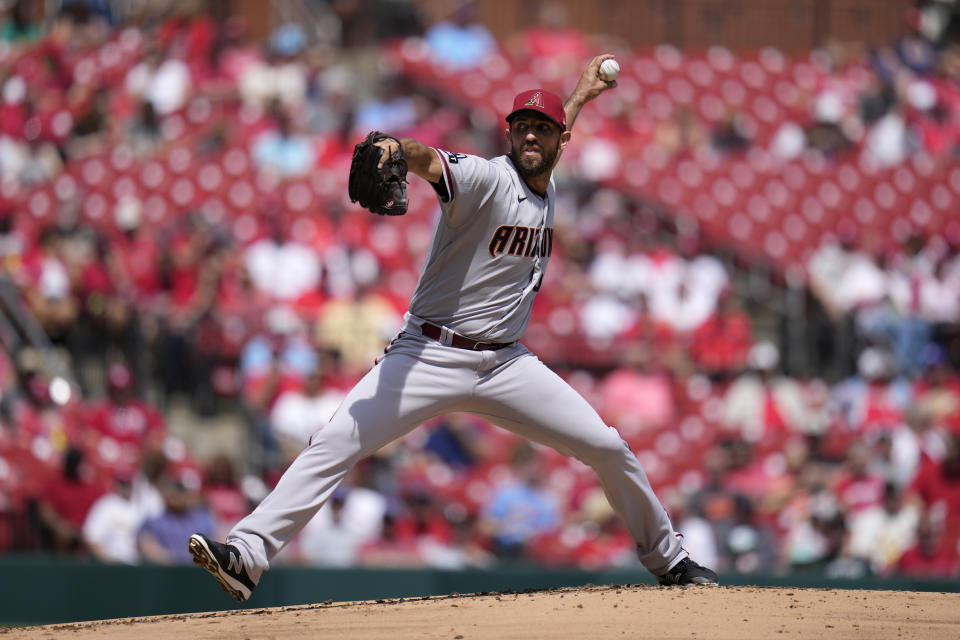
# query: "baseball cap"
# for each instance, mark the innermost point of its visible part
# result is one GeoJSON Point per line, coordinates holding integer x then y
{"type": "Point", "coordinates": [549, 104]}
{"type": "Point", "coordinates": [119, 377]}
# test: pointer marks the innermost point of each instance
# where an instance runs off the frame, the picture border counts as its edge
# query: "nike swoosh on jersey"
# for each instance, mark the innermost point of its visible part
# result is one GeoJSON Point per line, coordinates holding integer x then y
{"type": "Point", "coordinates": [521, 198]}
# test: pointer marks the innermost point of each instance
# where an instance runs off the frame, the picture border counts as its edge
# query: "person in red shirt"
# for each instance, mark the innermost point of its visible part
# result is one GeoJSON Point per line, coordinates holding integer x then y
{"type": "Point", "coordinates": [394, 548]}
{"type": "Point", "coordinates": [937, 486]}
{"type": "Point", "coordinates": [423, 518]}
{"type": "Point", "coordinates": [124, 417]}
{"type": "Point", "coordinates": [857, 487]}
{"type": "Point", "coordinates": [65, 501]}
{"type": "Point", "coordinates": [724, 340]}
{"type": "Point", "coordinates": [135, 258]}
{"type": "Point", "coordinates": [931, 556]}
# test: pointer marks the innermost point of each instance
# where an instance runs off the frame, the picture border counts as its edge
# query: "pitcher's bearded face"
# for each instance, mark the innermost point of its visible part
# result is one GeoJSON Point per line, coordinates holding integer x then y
{"type": "Point", "coordinates": [534, 144]}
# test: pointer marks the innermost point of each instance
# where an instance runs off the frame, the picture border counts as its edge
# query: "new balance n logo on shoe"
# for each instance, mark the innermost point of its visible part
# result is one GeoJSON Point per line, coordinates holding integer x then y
{"type": "Point", "coordinates": [235, 563]}
{"type": "Point", "coordinates": [224, 563]}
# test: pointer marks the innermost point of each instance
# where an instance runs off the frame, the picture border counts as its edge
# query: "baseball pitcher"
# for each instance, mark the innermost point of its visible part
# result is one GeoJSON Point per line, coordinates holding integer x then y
{"type": "Point", "coordinates": [459, 347]}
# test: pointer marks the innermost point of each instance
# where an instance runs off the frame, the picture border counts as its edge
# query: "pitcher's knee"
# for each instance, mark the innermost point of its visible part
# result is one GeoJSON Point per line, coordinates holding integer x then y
{"type": "Point", "coordinates": [335, 442]}
{"type": "Point", "coordinates": [604, 447]}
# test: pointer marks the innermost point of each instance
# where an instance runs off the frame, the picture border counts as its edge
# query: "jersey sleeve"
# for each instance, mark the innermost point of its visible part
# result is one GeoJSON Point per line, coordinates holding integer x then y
{"type": "Point", "coordinates": [467, 182]}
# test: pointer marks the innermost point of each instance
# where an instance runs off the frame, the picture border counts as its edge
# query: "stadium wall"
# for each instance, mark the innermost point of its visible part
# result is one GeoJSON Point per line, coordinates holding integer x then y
{"type": "Point", "coordinates": [790, 25]}
{"type": "Point", "coordinates": [41, 589]}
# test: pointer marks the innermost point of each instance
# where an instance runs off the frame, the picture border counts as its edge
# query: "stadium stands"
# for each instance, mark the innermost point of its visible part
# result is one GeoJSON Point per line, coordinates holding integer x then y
{"type": "Point", "coordinates": [142, 227]}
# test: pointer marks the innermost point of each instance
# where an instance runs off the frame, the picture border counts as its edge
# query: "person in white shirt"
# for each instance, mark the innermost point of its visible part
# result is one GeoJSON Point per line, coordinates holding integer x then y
{"type": "Point", "coordinates": [299, 413]}
{"type": "Point", "coordinates": [110, 528]}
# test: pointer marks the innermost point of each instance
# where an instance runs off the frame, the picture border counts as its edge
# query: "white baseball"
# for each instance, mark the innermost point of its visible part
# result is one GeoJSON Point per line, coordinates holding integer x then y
{"type": "Point", "coordinates": [609, 70]}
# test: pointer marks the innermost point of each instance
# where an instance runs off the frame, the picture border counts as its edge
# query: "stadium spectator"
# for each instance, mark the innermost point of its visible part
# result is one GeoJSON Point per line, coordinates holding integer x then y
{"type": "Point", "coordinates": [282, 267]}
{"type": "Point", "coordinates": [37, 418]}
{"type": "Point", "coordinates": [722, 343]}
{"type": "Point", "coordinates": [455, 441]}
{"type": "Point", "coordinates": [685, 289]}
{"type": "Point", "coordinates": [50, 296]}
{"type": "Point", "coordinates": [111, 526]}
{"type": "Point", "coordinates": [844, 278]}
{"type": "Point", "coordinates": [931, 555]}
{"type": "Point", "coordinates": [357, 326]}
{"type": "Point", "coordinates": [117, 239]}
{"type": "Point", "coordinates": [395, 107]}
{"type": "Point", "coordinates": [21, 22]}
{"type": "Point", "coordinates": [731, 135]}
{"type": "Point", "coordinates": [880, 534]}
{"type": "Point", "coordinates": [459, 41]}
{"type": "Point", "coordinates": [108, 318]}
{"type": "Point", "coordinates": [764, 407]}
{"type": "Point", "coordinates": [596, 534]}
{"type": "Point", "coordinates": [901, 321]}
{"type": "Point", "coordinates": [223, 493]}
{"type": "Point", "coordinates": [281, 151]}
{"type": "Point", "coordinates": [522, 508]}
{"type": "Point", "coordinates": [872, 400]}
{"type": "Point", "coordinates": [65, 502]}
{"type": "Point", "coordinates": [638, 396]}
{"type": "Point", "coordinates": [330, 539]}
{"type": "Point", "coordinates": [145, 491]}
{"type": "Point", "coordinates": [815, 535]}
{"type": "Point", "coordinates": [937, 487]}
{"type": "Point", "coordinates": [683, 135]}
{"type": "Point", "coordinates": [936, 405]}
{"type": "Point", "coordinates": [832, 110]}
{"type": "Point", "coordinates": [896, 453]}
{"type": "Point", "coordinates": [345, 527]}
{"type": "Point", "coordinates": [144, 133]}
{"type": "Point", "coordinates": [299, 413]}
{"type": "Point", "coordinates": [161, 80]}
{"type": "Point", "coordinates": [393, 548]}
{"type": "Point", "coordinates": [128, 422]}
{"type": "Point", "coordinates": [858, 486]}
{"type": "Point", "coordinates": [748, 545]}
{"type": "Point", "coordinates": [160, 538]}
{"type": "Point", "coordinates": [699, 537]}
{"type": "Point", "coordinates": [39, 162]}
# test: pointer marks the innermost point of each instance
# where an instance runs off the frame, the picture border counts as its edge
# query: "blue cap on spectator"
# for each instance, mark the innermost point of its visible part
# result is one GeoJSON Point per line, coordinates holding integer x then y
{"type": "Point", "coordinates": [289, 39]}
{"type": "Point", "coordinates": [299, 357]}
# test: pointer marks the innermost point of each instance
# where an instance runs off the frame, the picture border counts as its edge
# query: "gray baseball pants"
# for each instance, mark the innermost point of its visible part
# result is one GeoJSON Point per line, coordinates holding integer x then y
{"type": "Point", "coordinates": [418, 379]}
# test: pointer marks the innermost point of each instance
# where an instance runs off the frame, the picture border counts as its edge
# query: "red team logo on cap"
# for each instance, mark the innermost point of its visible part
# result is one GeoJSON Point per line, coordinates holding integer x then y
{"type": "Point", "coordinates": [542, 101]}
{"type": "Point", "coordinates": [536, 100]}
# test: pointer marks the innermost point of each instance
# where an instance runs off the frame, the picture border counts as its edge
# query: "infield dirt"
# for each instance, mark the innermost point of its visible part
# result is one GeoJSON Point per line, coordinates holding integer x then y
{"type": "Point", "coordinates": [718, 613]}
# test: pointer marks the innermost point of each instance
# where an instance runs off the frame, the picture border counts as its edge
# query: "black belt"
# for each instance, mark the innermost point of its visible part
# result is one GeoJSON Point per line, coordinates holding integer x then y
{"type": "Point", "coordinates": [433, 332]}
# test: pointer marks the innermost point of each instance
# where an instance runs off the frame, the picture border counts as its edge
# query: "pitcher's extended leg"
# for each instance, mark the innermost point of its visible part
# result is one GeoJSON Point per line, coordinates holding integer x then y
{"type": "Point", "coordinates": [399, 393]}
{"type": "Point", "coordinates": [526, 397]}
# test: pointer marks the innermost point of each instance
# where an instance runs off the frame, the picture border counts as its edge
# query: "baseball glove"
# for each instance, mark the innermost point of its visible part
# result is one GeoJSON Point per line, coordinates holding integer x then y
{"type": "Point", "coordinates": [381, 189]}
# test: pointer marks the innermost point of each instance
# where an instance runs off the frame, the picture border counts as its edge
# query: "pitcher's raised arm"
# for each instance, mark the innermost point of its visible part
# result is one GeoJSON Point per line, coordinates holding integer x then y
{"type": "Point", "coordinates": [588, 87]}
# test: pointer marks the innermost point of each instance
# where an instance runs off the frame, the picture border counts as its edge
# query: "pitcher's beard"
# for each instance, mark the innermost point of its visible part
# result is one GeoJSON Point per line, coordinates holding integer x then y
{"type": "Point", "coordinates": [530, 167]}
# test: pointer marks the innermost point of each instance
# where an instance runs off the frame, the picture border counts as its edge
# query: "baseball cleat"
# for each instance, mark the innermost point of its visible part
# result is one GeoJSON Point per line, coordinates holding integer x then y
{"type": "Point", "coordinates": [224, 563]}
{"type": "Point", "coordinates": [687, 572]}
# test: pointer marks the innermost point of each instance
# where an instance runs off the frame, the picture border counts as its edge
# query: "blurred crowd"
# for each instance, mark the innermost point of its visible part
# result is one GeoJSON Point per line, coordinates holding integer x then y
{"type": "Point", "coordinates": [173, 214]}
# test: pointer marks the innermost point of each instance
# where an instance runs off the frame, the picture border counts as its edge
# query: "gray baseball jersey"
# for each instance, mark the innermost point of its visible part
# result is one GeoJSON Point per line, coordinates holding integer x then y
{"type": "Point", "coordinates": [485, 264]}
{"type": "Point", "coordinates": [489, 251]}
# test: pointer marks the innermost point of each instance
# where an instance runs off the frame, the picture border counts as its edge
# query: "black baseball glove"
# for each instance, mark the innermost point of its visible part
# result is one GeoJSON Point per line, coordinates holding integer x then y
{"type": "Point", "coordinates": [381, 189]}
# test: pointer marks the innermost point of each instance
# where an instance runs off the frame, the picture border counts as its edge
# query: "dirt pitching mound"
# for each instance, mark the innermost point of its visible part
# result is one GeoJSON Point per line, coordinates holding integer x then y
{"type": "Point", "coordinates": [719, 613]}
